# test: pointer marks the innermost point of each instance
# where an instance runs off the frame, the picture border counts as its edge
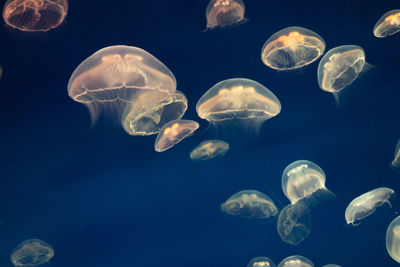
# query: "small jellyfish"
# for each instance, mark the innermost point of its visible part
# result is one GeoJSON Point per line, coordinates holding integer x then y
{"type": "Point", "coordinates": [223, 13]}
{"type": "Point", "coordinates": [366, 204]}
{"type": "Point", "coordinates": [261, 262]}
{"type": "Point", "coordinates": [292, 48]}
{"type": "Point", "coordinates": [296, 261]}
{"type": "Point", "coordinates": [209, 149]}
{"type": "Point", "coordinates": [396, 161]}
{"type": "Point", "coordinates": [388, 24]}
{"type": "Point", "coordinates": [173, 132]}
{"type": "Point", "coordinates": [32, 252]}
{"type": "Point", "coordinates": [35, 15]}
{"type": "Point", "coordinates": [146, 114]}
{"type": "Point", "coordinates": [331, 265]}
{"type": "Point", "coordinates": [250, 204]}
{"type": "Point", "coordinates": [393, 239]}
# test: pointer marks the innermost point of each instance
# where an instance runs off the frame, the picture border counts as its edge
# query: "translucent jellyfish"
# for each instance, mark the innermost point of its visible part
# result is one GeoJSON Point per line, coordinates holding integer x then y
{"type": "Point", "coordinates": [243, 101]}
{"type": "Point", "coordinates": [250, 204]}
{"type": "Point", "coordinates": [261, 262]}
{"type": "Point", "coordinates": [304, 179]}
{"type": "Point", "coordinates": [32, 252]}
{"type": "Point", "coordinates": [292, 48]}
{"type": "Point", "coordinates": [366, 204]}
{"type": "Point", "coordinates": [151, 110]}
{"type": "Point", "coordinates": [393, 239]}
{"type": "Point", "coordinates": [209, 149]}
{"type": "Point", "coordinates": [117, 75]}
{"type": "Point", "coordinates": [388, 24]}
{"type": "Point", "coordinates": [173, 132]}
{"type": "Point", "coordinates": [296, 261]}
{"type": "Point", "coordinates": [222, 13]}
{"type": "Point", "coordinates": [331, 265]}
{"type": "Point", "coordinates": [294, 223]}
{"type": "Point", "coordinates": [396, 161]}
{"type": "Point", "coordinates": [35, 15]}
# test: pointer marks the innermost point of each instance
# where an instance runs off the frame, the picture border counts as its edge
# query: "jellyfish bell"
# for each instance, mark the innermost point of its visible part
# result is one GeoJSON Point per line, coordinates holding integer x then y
{"type": "Point", "coordinates": [393, 239]}
{"type": "Point", "coordinates": [115, 76]}
{"type": "Point", "coordinates": [32, 252]}
{"type": "Point", "coordinates": [396, 161]}
{"type": "Point", "coordinates": [261, 262]}
{"type": "Point", "coordinates": [224, 13]}
{"type": "Point", "coordinates": [388, 24]}
{"type": "Point", "coordinates": [209, 149]}
{"type": "Point", "coordinates": [296, 261]}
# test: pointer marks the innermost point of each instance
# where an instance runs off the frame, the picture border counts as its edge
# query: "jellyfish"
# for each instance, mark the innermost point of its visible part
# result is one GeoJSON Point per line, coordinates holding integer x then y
{"type": "Point", "coordinates": [209, 149]}
{"type": "Point", "coordinates": [242, 102]}
{"type": "Point", "coordinates": [388, 24]}
{"type": "Point", "coordinates": [393, 239]}
{"type": "Point", "coordinates": [151, 110]}
{"type": "Point", "coordinates": [296, 261]}
{"type": "Point", "coordinates": [223, 13]}
{"type": "Point", "coordinates": [261, 262]}
{"type": "Point", "coordinates": [396, 161]}
{"type": "Point", "coordinates": [117, 75]}
{"type": "Point", "coordinates": [32, 252]}
{"type": "Point", "coordinates": [250, 204]}
{"type": "Point", "coordinates": [366, 204]}
{"type": "Point", "coordinates": [173, 132]}
{"type": "Point", "coordinates": [35, 15]}
{"type": "Point", "coordinates": [292, 48]}
{"type": "Point", "coordinates": [331, 265]}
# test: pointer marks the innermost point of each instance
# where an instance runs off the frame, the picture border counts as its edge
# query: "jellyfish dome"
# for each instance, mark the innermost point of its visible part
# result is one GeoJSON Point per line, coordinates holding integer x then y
{"type": "Point", "coordinates": [209, 149]}
{"type": "Point", "coordinates": [173, 132]}
{"type": "Point", "coordinates": [393, 239]}
{"type": "Point", "coordinates": [396, 161]}
{"type": "Point", "coordinates": [296, 261]}
{"type": "Point", "coordinates": [223, 13]}
{"type": "Point", "coordinates": [261, 262]}
{"type": "Point", "coordinates": [32, 252]}
{"type": "Point", "coordinates": [388, 24]}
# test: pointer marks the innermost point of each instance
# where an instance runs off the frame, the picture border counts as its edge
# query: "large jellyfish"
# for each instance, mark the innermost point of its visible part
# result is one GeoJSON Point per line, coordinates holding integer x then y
{"type": "Point", "coordinates": [388, 24]}
{"type": "Point", "coordinates": [223, 13]}
{"type": "Point", "coordinates": [261, 262]}
{"type": "Point", "coordinates": [209, 149]}
{"type": "Point", "coordinates": [393, 239]}
{"type": "Point", "coordinates": [32, 252]}
{"type": "Point", "coordinates": [296, 261]}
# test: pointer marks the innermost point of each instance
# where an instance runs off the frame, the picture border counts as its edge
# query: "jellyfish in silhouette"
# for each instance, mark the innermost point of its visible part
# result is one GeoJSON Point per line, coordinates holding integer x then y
{"type": "Point", "coordinates": [117, 75]}
{"type": "Point", "coordinates": [146, 114]}
{"type": "Point", "coordinates": [223, 13]}
{"type": "Point", "coordinates": [396, 161]}
{"type": "Point", "coordinates": [366, 204]}
{"type": "Point", "coordinates": [32, 252]}
{"type": "Point", "coordinates": [261, 262]}
{"type": "Point", "coordinates": [173, 132]}
{"type": "Point", "coordinates": [209, 149]}
{"type": "Point", "coordinates": [393, 239]}
{"type": "Point", "coordinates": [35, 15]}
{"type": "Point", "coordinates": [296, 261]}
{"type": "Point", "coordinates": [388, 24]}
{"type": "Point", "coordinates": [292, 48]}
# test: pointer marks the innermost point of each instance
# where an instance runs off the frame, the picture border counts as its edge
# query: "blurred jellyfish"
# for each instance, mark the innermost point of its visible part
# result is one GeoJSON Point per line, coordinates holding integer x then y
{"type": "Point", "coordinates": [296, 261]}
{"type": "Point", "coordinates": [396, 161]}
{"type": "Point", "coordinates": [331, 265]}
{"type": "Point", "coordinates": [146, 114]}
{"type": "Point", "coordinates": [261, 262]}
{"type": "Point", "coordinates": [209, 149]}
{"type": "Point", "coordinates": [250, 204]}
{"type": "Point", "coordinates": [116, 75]}
{"type": "Point", "coordinates": [292, 48]}
{"type": "Point", "coordinates": [243, 102]}
{"type": "Point", "coordinates": [388, 24]}
{"type": "Point", "coordinates": [393, 239]}
{"type": "Point", "coordinates": [223, 13]}
{"type": "Point", "coordinates": [32, 252]}
{"type": "Point", "coordinates": [366, 204]}
{"type": "Point", "coordinates": [35, 15]}
{"type": "Point", "coordinates": [173, 132]}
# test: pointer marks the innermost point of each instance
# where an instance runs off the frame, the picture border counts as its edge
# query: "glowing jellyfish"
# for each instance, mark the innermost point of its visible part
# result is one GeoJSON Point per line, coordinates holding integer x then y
{"type": "Point", "coordinates": [393, 239]}
{"type": "Point", "coordinates": [366, 204]}
{"type": "Point", "coordinates": [261, 262]}
{"type": "Point", "coordinates": [32, 252]}
{"type": "Point", "coordinates": [117, 75]}
{"type": "Point", "coordinates": [146, 114]}
{"type": "Point", "coordinates": [35, 15]}
{"type": "Point", "coordinates": [173, 132]}
{"type": "Point", "coordinates": [222, 13]}
{"type": "Point", "coordinates": [331, 265]}
{"type": "Point", "coordinates": [296, 261]}
{"type": "Point", "coordinates": [209, 149]}
{"type": "Point", "coordinates": [396, 161]}
{"type": "Point", "coordinates": [250, 204]}
{"type": "Point", "coordinates": [238, 100]}
{"type": "Point", "coordinates": [388, 24]}
{"type": "Point", "coordinates": [292, 48]}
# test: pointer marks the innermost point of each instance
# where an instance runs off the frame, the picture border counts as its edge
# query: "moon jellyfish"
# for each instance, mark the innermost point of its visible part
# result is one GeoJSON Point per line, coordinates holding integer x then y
{"type": "Point", "coordinates": [393, 239]}
{"type": "Point", "coordinates": [388, 24]}
{"type": "Point", "coordinates": [32, 252]}
{"type": "Point", "coordinates": [117, 75]}
{"type": "Point", "coordinates": [35, 15]}
{"type": "Point", "coordinates": [396, 161]}
{"type": "Point", "coordinates": [222, 13]}
{"type": "Point", "coordinates": [331, 265]}
{"type": "Point", "coordinates": [304, 179]}
{"type": "Point", "coordinates": [250, 204]}
{"type": "Point", "coordinates": [173, 132]}
{"type": "Point", "coordinates": [146, 114]}
{"type": "Point", "coordinates": [366, 204]}
{"type": "Point", "coordinates": [294, 223]}
{"type": "Point", "coordinates": [292, 48]}
{"type": "Point", "coordinates": [296, 261]}
{"type": "Point", "coordinates": [261, 262]}
{"type": "Point", "coordinates": [209, 149]}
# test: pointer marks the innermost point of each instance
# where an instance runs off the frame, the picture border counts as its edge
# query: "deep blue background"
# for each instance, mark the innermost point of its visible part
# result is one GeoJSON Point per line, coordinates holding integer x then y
{"type": "Point", "coordinates": [103, 198]}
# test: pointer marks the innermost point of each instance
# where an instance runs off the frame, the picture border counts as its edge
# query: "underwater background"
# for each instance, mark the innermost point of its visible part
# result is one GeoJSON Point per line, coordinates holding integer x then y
{"type": "Point", "coordinates": [101, 197]}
